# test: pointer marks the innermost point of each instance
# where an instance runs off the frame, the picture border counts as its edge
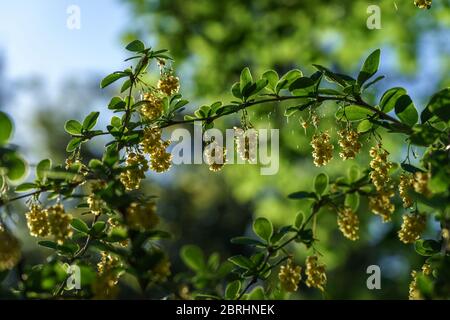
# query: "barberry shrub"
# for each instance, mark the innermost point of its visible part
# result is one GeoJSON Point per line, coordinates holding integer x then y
{"type": "Point", "coordinates": [118, 233]}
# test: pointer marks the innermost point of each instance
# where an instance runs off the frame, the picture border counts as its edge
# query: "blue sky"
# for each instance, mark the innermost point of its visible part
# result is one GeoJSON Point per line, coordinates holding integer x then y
{"type": "Point", "coordinates": [35, 40]}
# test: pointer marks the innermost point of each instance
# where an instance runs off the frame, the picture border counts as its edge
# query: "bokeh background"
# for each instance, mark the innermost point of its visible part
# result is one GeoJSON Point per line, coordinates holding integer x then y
{"type": "Point", "coordinates": [50, 73]}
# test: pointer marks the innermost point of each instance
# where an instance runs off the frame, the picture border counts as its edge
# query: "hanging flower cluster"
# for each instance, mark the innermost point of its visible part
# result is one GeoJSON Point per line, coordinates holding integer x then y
{"type": "Point", "coordinates": [9, 250]}
{"type": "Point", "coordinates": [290, 276]}
{"type": "Point", "coordinates": [414, 292]}
{"type": "Point", "coordinates": [142, 216]}
{"type": "Point", "coordinates": [37, 221]}
{"type": "Point", "coordinates": [53, 221]}
{"type": "Point", "coordinates": [412, 227]}
{"type": "Point", "coordinates": [135, 171]}
{"type": "Point", "coordinates": [152, 143]}
{"type": "Point", "coordinates": [348, 223]}
{"type": "Point", "coordinates": [96, 204]}
{"type": "Point", "coordinates": [246, 143]}
{"type": "Point", "coordinates": [109, 271]}
{"type": "Point", "coordinates": [423, 4]}
{"type": "Point", "coordinates": [152, 109]}
{"type": "Point", "coordinates": [406, 183]}
{"type": "Point", "coordinates": [315, 272]}
{"type": "Point", "coordinates": [169, 84]}
{"type": "Point", "coordinates": [381, 202]}
{"type": "Point", "coordinates": [420, 183]}
{"type": "Point", "coordinates": [215, 156]}
{"type": "Point", "coordinates": [348, 141]}
{"type": "Point", "coordinates": [322, 149]}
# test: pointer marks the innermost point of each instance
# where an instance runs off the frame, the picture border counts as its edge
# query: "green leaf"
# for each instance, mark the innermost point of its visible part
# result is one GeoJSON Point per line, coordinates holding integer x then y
{"type": "Point", "coordinates": [24, 187]}
{"type": "Point", "coordinates": [353, 173]}
{"type": "Point", "coordinates": [321, 183]}
{"type": "Point", "coordinates": [73, 144]}
{"type": "Point", "coordinates": [406, 111]}
{"type": "Point", "coordinates": [256, 294]}
{"type": "Point", "coordinates": [299, 219]}
{"type": "Point", "coordinates": [117, 103]}
{"type": "Point", "coordinates": [16, 166]}
{"type": "Point", "coordinates": [246, 241]}
{"type": "Point", "coordinates": [424, 135]}
{"type": "Point", "coordinates": [73, 127]}
{"type": "Point", "coordinates": [98, 228]}
{"type": "Point", "coordinates": [236, 90]}
{"type": "Point", "coordinates": [370, 67]}
{"type": "Point", "coordinates": [232, 290]}
{"type": "Point", "coordinates": [332, 77]}
{"type": "Point", "coordinates": [68, 248]}
{"type": "Point", "coordinates": [263, 228]}
{"type": "Point", "coordinates": [410, 168]}
{"type": "Point", "coordinates": [241, 261]}
{"type": "Point", "coordinates": [80, 225]}
{"type": "Point", "coordinates": [371, 83]}
{"type": "Point", "coordinates": [427, 247]}
{"type": "Point", "coordinates": [287, 79]}
{"type": "Point", "coordinates": [113, 77]}
{"type": "Point", "coordinates": [135, 46]}
{"type": "Point", "coordinates": [390, 97]}
{"type": "Point", "coordinates": [439, 105]}
{"type": "Point", "coordinates": [353, 113]}
{"type": "Point", "coordinates": [48, 244]}
{"type": "Point", "coordinates": [43, 168]}
{"type": "Point", "coordinates": [302, 86]}
{"type": "Point", "coordinates": [302, 195]}
{"type": "Point", "coordinates": [272, 78]}
{"type": "Point", "coordinates": [193, 257]}
{"type": "Point", "coordinates": [6, 128]}
{"type": "Point", "coordinates": [90, 121]}
{"type": "Point", "coordinates": [246, 79]}
{"type": "Point", "coordinates": [116, 122]}
{"type": "Point", "coordinates": [111, 155]}
{"type": "Point", "coordinates": [126, 85]}
{"type": "Point", "coordinates": [352, 201]}
{"type": "Point", "coordinates": [364, 126]}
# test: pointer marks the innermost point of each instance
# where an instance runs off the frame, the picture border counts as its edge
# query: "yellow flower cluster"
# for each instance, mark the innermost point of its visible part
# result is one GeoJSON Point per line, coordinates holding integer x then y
{"type": "Point", "coordinates": [215, 156]}
{"type": "Point", "coordinates": [414, 293]}
{"type": "Point", "coordinates": [152, 143]}
{"type": "Point", "coordinates": [412, 227]}
{"type": "Point", "coordinates": [37, 221]}
{"type": "Point", "coordinates": [406, 183]}
{"type": "Point", "coordinates": [348, 223]}
{"type": "Point", "coordinates": [246, 143]}
{"type": "Point", "coordinates": [290, 276]}
{"type": "Point", "coordinates": [169, 84]}
{"type": "Point", "coordinates": [153, 107]}
{"type": "Point", "coordinates": [322, 149]}
{"type": "Point", "coordinates": [59, 222]}
{"type": "Point", "coordinates": [315, 272]}
{"type": "Point", "coordinates": [95, 204]}
{"type": "Point", "coordinates": [423, 4]}
{"type": "Point", "coordinates": [105, 286]}
{"type": "Point", "coordinates": [53, 221]}
{"type": "Point", "coordinates": [9, 250]}
{"type": "Point", "coordinates": [381, 203]}
{"type": "Point", "coordinates": [161, 271]}
{"type": "Point", "coordinates": [136, 167]}
{"type": "Point", "coordinates": [426, 269]}
{"type": "Point", "coordinates": [420, 183]}
{"type": "Point", "coordinates": [348, 141]}
{"type": "Point", "coordinates": [142, 216]}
